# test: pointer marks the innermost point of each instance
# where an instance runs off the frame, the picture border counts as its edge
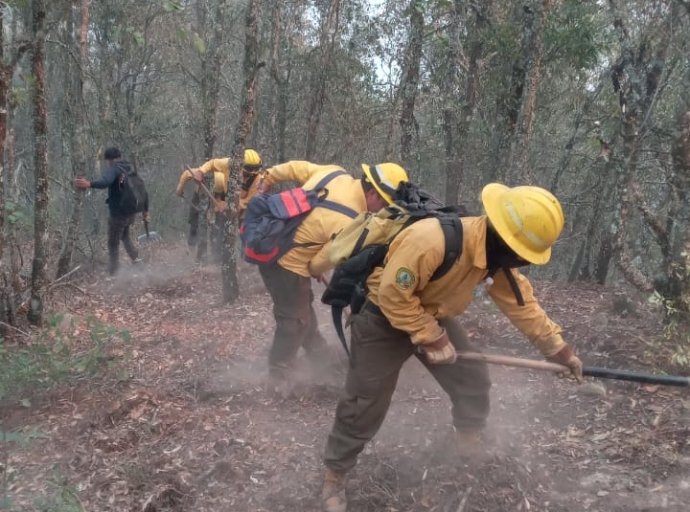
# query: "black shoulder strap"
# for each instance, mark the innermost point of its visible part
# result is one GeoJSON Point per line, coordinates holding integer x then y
{"type": "Point", "coordinates": [326, 179]}
{"type": "Point", "coordinates": [452, 233]}
{"type": "Point", "coordinates": [511, 280]}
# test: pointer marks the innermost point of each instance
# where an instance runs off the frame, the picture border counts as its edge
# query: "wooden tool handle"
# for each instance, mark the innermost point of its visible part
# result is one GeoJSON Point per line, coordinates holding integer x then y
{"type": "Point", "coordinates": [513, 361]}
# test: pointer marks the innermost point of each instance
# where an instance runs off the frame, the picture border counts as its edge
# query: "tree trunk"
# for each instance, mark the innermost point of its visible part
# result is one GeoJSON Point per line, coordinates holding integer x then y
{"type": "Point", "coordinates": [329, 34]}
{"type": "Point", "coordinates": [280, 72]}
{"type": "Point", "coordinates": [78, 140]}
{"type": "Point", "coordinates": [455, 158]}
{"type": "Point", "coordinates": [449, 91]}
{"type": "Point", "coordinates": [210, 90]}
{"type": "Point", "coordinates": [508, 104]}
{"type": "Point", "coordinates": [534, 69]}
{"type": "Point", "coordinates": [410, 81]}
{"type": "Point", "coordinates": [39, 273]}
{"type": "Point", "coordinates": [231, 289]}
{"type": "Point", "coordinates": [6, 293]}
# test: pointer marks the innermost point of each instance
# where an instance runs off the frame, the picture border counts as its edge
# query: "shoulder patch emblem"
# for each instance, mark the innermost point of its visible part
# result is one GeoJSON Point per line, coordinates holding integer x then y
{"type": "Point", "coordinates": [404, 278]}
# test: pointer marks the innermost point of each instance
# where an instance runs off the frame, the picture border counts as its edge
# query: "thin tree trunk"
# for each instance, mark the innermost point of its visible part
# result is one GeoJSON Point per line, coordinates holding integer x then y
{"type": "Point", "coordinates": [231, 289]}
{"type": "Point", "coordinates": [210, 90]}
{"type": "Point", "coordinates": [534, 69]}
{"type": "Point", "coordinates": [6, 294]}
{"type": "Point", "coordinates": [455, 173]}
{"type": "Point", "coordinates": [329, 35]}
{"type": "Point", "coordinates": [39, 273]}
{"type": "Point", "coordinates": [410, 81]}
{"type": "Point", "coordinates": [280, 72]}
{"type": "Point", "coordinates": [508, 105]}
{"type": "Point", "coordinates": [449, 88]}
{"type": "Point", "coordinates": [78, 140]}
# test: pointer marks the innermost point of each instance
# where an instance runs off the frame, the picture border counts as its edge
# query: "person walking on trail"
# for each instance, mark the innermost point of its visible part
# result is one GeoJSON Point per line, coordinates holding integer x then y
{"type": "Point", "coordinates": [122, 212]}
{"type": "Point", "coordinates": [407, 313]}
{"type": "Point", "coordinates": [288, 280]}
{"type": "Point", "coordinates": [219, 169]}
{"type": "Point", "coordinates": [215, 214]}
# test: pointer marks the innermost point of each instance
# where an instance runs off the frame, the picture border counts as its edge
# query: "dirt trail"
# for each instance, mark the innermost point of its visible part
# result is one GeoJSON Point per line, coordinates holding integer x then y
{"type": "Point", "coordinates": [191, 427]}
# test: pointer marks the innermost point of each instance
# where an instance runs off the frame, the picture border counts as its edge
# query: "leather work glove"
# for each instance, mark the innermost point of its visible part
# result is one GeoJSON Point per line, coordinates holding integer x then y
{"type": "Point", "coordinates": [567, 357]}
{"type": "Point", "coordinates": [440, 351]}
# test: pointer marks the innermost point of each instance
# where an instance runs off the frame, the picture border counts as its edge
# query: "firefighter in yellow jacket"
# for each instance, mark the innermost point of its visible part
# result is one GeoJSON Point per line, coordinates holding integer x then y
{"type": "Point", "coordinates": [407, 314]}
{"type": "Point", "coordinates": [216, 216]}
{"type": "Point", "coordinates": [289, 279]}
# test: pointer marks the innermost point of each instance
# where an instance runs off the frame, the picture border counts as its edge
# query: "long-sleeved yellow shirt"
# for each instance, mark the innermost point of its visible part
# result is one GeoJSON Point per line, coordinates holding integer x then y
{"type": "Point", "coordinates": [221, 173]}
{"type": "Point", "coordinates": [220, 167]}
{"type": "Point", "coordinates": [412, 302]}
{"type": "Point", "coordinates": [321, 224]}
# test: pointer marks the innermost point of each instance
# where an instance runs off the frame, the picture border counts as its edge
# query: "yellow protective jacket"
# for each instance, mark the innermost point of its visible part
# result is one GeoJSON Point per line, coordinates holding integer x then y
{"type": "Point", "coordinates": [413, 303]}
{"type": "Point", "coordinates": [220, 167]}
{"type": "Point", "coordinates": [321, 224]}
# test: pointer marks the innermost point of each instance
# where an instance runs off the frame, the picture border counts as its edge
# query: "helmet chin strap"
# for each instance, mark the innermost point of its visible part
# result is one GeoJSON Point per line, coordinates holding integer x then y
{"type": "Point", "coordinates": [501, 257]}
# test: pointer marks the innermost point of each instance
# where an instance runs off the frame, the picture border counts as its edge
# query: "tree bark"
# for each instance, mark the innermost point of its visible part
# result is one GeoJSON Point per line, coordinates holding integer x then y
{"type": "Point", "coordinates": [457, 151]}
{"type": "Point", "coordinates": [329, 34]}
{"type": "Point", "coordinates": [409, 82]}
{"type": "Point", "coordinates": [280, 69]}
{"type": "Point", "coordinates": [449, 91]}
{"type": "Point", "coordinates": [78, 139]}
{"type": "Point", "coordinates": [210, 90]}
{"type": "Point", "coordinates": [39, 273]}
{"type": "Point", "coordinates": [508, 104]}
{"type": "Point", "coordinates": [534, 70]}
{"type": "Point", "coordinates": [7, 306]}
{"type": "Point", "coordinates": [231, 289]}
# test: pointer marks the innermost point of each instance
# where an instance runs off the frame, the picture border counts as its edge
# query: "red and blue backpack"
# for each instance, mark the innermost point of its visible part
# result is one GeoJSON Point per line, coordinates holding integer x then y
{"type": "Point", "coordinates": [271, 220]}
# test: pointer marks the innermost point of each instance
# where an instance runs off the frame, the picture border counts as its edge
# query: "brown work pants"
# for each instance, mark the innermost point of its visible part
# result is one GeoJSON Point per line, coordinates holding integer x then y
{"type": "Point", "coordinates": [118, 230]}
{"type": "Point", "coordinates": [378, 353]}
{"type": "Point", "coordinates": [296, 323]}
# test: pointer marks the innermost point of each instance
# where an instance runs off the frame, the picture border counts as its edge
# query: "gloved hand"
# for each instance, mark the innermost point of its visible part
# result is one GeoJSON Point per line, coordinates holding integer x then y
{"type": "Point", "coordinates": [567, 357]}
{"type": "Point", "coordinates": [440, 351]}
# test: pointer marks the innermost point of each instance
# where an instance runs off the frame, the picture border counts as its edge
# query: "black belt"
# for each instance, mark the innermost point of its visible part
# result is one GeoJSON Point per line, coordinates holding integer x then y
{"type": "Point", "coordinates": [373, 308]}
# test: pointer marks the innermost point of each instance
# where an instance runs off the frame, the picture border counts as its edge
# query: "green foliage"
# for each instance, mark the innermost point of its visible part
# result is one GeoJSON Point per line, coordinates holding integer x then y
{"type": "Point", "coordinates": [574, 34]}
{"type": "Point", "coordinates": [22, 438]}
{"type": "Point", "coordinates": [52, 359]}
{"type": "Point", "coordinates": [138, 38]}
{"type": "Point", "coordinates": [172, 5]}
{"type": "Point", "coordinates": [60, 496]}
{"type": "Point", "coordinates": [16, 215]}
{"type": "Point", "coordinates": [199, 44]}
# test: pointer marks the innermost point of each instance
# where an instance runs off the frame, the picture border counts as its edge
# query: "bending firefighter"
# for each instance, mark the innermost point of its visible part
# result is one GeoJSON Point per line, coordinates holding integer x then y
{"type": "Point", "coordinates": [216, 214]}
{"type": "Point", "coordinates": [409, 314]}
{"type": "Point", "coordinates": [289, 279]}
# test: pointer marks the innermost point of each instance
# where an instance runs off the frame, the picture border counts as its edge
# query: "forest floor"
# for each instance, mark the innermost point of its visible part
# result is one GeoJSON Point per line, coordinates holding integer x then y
{"type": "Point", "coordinates": [181, 420]}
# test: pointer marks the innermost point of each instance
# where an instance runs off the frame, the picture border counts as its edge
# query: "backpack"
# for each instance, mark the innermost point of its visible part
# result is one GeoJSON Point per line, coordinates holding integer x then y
{"type": "Point", "coordinates": [362, 246]}
{"type": "Point", "coordinates": [271, 220]}
{"type": "Point", "coordinates": [133, 196]}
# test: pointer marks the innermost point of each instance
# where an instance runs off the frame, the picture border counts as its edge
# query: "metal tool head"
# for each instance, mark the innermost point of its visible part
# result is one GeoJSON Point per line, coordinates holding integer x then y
{"type": "Point", "coordinates": [150, 237]}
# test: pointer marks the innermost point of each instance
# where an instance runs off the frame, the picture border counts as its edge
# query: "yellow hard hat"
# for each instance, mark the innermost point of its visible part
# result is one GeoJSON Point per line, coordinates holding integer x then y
{"type": "Point", "coordinates": [385, 178]}
{"type": "Point", "coordinates": [528, 219]}
{"type": "Point", "coordinates": [252, 160]}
